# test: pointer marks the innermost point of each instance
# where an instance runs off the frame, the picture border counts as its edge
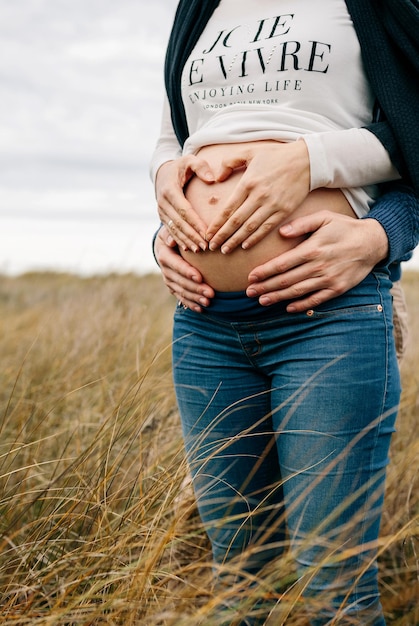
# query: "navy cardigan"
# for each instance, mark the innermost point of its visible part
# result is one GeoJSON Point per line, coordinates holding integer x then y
{"type": "Point", "coordinates": [388, 32]}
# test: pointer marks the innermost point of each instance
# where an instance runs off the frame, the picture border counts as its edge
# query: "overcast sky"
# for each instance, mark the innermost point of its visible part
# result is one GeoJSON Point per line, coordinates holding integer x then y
{"type": "Point", "coordinates": [80, 94]}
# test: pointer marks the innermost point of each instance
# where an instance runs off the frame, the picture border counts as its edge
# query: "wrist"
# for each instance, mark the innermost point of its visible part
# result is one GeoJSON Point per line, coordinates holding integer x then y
{"type": "Point", "coordinates": [160, 172]}
{"type": "Point", "coordinates": [377, 240]}
{"type": "Point", "coordinates": [302, 155]}
{"type": "Point", "coordinates": [299, 162]}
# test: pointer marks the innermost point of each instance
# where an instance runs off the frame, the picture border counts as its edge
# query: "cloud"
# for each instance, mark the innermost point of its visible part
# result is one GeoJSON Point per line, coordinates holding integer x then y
{"type": "Point", "coordinates": [81, 85]}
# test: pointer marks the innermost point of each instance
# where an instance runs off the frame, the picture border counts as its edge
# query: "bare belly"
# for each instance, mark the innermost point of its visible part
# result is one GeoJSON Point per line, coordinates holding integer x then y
{"type": "Point", "coordinates": [229, 272]}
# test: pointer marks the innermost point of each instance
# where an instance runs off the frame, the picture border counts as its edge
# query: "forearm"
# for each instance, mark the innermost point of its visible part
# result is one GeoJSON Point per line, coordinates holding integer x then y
{"type": "Point", "coordinates": [397, 210]}
{"type": "Point", "coordinates": [348, 158]}
{"type": "Point", "coordinates": [167, 147]}
{"type": "Point", "coordinates": [383, 132]}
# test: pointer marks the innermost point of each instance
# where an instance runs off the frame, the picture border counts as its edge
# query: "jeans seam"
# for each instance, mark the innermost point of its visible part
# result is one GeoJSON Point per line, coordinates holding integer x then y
{"type": "Point", "coordinates": [378, 427]}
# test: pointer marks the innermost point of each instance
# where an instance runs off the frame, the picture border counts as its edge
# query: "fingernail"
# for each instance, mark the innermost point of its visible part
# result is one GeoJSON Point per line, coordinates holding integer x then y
{"type": "Point", "coordinates": [209, 236]}
{"type": "Point", "coordinates": [286, 228]}
{"type": "Point", "coordinates": [265, 300]}
{"type": "Point", "coordinates": [212, 246]}
{"type": "Point", "coordinates": [252, 293]}
{"type": "Point", "coordinates": [291, 308]}
{"type": "Point", "coordinates": [203, 246]}
{"type": "Point", "coordinates": [225, 249]}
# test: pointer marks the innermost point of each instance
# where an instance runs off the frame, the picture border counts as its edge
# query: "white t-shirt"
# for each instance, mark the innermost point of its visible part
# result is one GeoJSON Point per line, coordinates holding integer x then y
{"type": "Point", "coordinates": [282, 70]}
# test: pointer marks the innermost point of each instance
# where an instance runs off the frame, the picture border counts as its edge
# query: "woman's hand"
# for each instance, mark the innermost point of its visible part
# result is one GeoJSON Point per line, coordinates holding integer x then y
{"type": "Point", "coordinates": [275, 183]}
{"type": "Point", "coordinates": [182, 280]}
{"type": "Point", "coordinates": [185, 226]}
{"type": "Point", "coordinates": [339, 254]}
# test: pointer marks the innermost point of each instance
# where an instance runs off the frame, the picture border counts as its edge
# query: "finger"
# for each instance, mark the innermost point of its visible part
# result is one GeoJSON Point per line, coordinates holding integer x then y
{"type": "Point", "coordinates": [306, 287]}
{"type": "Point", "coordinates": [258, 234]}
{"type": "Point", "coordinates": [169, 259]}
{"type": "Point", "coordinates": [311, 285]}
{"type": "Point", "coordinates": [312, 301]}
{"type": "Point", "coordinates": [297, 291]}
{"type": "Point", "coordinates": [304, 225]}
{"type": "Point", "coordinates": [192, 165]}
{"type": "Point", "coordinates": [188, 299]}
{"type": "Point", "coordinates": [229, 219]}
{"type": "Point", "coordinates": [189, 228]}
{"type": "Point", "coordinates": [183, 280]}
{"type": "Point", "coordinates": [165, 238]}
{"type": "Point", "coordinates": [252, 231]}
{"type": "Point", "coordinates": [238, 208]}
{"type": "Point", "coordinates": [184, 235]}
{"type": "Point", "coordinates": [176, 269]}
{"type": "Point", "coordinates": [172, 199]}
{"type": "Point", "coordinates": [236, 229]}
{"type": "Point", "coordinates": [184, 224]}
{"type": "Point", "coordinates": [278, 266]}
{"type": "Point", "coordinates": [289, 279]}
{"type": "Point", "coordinates": [228, 166]}
{"type": "Point", "coordinates": [280, 287]}
{"type": "Point", "coordinates": [187, 291]}
{"type": "Point", "coordinates": [202, 170]}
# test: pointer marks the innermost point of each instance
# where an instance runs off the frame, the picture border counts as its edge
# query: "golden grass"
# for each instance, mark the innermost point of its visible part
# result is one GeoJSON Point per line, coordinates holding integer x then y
{"type": "Point", "coordinates": [97, 520]}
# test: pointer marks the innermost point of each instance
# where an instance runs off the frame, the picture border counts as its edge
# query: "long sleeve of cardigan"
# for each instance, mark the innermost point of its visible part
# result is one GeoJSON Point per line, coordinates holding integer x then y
{"type": "Point", "coordinates": [397, 210]}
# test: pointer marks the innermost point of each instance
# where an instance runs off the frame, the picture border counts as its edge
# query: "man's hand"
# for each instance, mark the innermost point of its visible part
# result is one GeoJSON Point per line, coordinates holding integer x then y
{"type": "Point", "coordinates": [339, 253]}
{"type": "Point", "coordinates": [182, 280]}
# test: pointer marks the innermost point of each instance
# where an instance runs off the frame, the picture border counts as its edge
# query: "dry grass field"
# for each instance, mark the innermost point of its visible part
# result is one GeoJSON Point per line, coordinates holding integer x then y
{"type": "Point", "coordinates": [97, 522]}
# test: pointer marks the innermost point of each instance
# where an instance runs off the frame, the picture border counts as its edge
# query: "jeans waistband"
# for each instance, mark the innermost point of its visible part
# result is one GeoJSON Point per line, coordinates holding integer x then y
{"type": "Point", "coordinates": [237, 306]}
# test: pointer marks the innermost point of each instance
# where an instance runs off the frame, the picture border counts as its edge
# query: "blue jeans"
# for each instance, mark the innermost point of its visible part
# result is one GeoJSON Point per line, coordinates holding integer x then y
{"type": "Point", "coordinates": [287, 421]}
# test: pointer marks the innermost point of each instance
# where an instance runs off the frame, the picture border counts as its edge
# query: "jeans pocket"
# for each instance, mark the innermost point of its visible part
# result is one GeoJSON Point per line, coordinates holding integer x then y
{"type": "Point", "coordinates": [180, 308]}
{"type": "Point", "coordinates": [344, 311]}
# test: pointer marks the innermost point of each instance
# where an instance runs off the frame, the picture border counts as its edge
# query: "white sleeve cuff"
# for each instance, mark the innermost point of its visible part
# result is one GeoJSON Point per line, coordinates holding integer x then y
{"type": "Point", "coordinates": [348, 158]}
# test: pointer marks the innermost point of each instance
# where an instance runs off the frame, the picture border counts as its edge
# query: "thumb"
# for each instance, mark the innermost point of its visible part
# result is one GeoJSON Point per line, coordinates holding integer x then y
{"type": "Point", "coordinates": [203, 171]}
{"type": "Point", "coordinates": [165, 236]}
{"type": "Point", "coordinates": [227, 167]}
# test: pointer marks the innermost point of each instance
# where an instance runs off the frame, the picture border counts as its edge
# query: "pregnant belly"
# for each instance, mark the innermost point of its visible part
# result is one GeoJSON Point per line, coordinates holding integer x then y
{"type": "Point", "coordinates": [229, 272]}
